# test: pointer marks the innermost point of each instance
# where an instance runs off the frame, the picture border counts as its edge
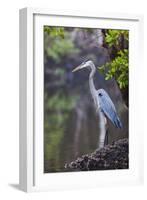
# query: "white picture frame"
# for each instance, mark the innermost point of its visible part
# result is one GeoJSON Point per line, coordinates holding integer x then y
{"type": "Point", "coordinates": [31, 100]}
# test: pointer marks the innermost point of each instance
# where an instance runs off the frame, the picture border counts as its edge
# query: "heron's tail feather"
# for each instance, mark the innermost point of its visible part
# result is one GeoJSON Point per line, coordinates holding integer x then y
{"type": "Point", "coordinates": [117, 122]}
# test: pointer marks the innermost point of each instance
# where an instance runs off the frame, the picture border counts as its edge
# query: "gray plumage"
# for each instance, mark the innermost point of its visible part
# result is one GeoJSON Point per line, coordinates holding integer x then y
{"type": "Point", "coordinates": [108, 108]}
{"type": "Point", "coordinates": [103, 104]}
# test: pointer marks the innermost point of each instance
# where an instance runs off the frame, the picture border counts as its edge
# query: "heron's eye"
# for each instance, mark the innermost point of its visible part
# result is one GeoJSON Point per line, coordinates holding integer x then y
{"type": "Point", "coordinates": [100, 94]}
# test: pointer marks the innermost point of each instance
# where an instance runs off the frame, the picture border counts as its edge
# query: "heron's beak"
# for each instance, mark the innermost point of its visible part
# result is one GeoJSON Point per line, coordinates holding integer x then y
{"type": "Point", "coordinates": [77, 68]}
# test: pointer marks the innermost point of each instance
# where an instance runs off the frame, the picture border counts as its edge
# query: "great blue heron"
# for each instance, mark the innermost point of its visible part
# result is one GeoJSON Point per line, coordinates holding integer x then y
{"type": "Point", "coordinates": [103, 104]}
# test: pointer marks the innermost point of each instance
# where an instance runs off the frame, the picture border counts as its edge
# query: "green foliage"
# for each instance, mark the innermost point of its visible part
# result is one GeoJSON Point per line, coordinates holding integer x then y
{"type": "Point", "coordinates": [54, 31]}
{"type": "Point", "coordinates": [60, 48]}
{"type": "Point", "coordinates": [118, 67]}
{"type": "Point", "coordinates": [58, 43]}
{"type": "Point", "coordinates": [113, 37]}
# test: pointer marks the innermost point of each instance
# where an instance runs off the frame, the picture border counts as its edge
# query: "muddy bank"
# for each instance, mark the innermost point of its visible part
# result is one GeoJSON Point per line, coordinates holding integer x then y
{"type": "Point", "coordinates": [114, 156]}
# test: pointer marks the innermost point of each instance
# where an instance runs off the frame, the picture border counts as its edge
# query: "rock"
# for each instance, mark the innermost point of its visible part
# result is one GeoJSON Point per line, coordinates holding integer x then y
{"type": "Point", "coordinates": [113, 156]}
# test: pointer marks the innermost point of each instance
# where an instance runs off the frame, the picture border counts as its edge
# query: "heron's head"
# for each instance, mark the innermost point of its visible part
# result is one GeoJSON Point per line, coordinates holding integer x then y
{"type": "Point", "coordinates": [86, 64]}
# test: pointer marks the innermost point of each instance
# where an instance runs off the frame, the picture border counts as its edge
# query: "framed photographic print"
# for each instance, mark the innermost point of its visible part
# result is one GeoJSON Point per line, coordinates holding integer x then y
{"type": "Point", "coordinates": [79, 125]}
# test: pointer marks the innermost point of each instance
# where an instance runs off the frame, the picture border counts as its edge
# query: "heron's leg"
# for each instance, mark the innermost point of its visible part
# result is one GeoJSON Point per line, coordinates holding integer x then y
{"type": "Point", "coordinates": [102, 135]}
{"type": "Point", "coordinates": [106, 137]}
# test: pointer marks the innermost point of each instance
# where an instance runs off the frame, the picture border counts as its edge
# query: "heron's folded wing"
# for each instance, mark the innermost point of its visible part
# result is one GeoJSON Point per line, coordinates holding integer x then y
{"type": "Point", "coordinates": [109, 110]}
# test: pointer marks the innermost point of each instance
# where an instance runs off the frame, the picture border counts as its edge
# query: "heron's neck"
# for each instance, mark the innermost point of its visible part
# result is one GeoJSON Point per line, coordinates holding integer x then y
{"type": "Point", "coordinates": [91, 82]}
